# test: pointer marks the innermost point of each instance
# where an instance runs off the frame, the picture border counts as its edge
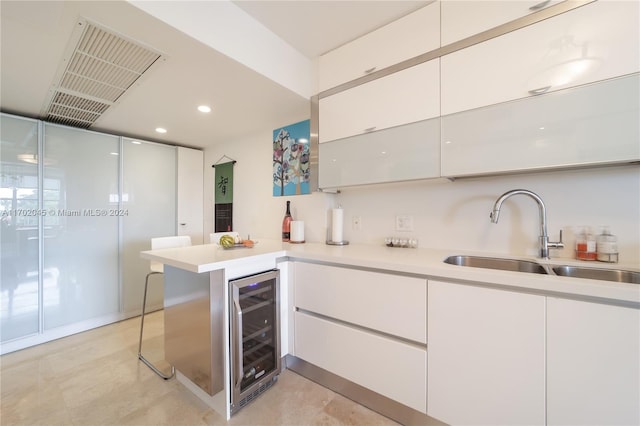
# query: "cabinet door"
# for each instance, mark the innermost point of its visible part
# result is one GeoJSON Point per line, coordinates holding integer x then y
{"type": "Point", "coordinates": [403, 97]}
{"type": "Point", "coordinates": [562, 129]}
{"type": "Point", "coordinates": [593, 364]}
{"type": "Point", "coordinates": [409, 36]}
{"type": "Point", "coordinates": [19, 239]}
{"type": "Point", "coordinates": [401, 153]}
{"type": "Point", "coordinates": [81, 250]}
{"type": "Point", "coordinates": [464, 18]}
{"type": "Point", "coordinates": [149, 193]}
{"type": "Point", "coordinates": [190, 193]}
{"type": "Point", "coordinates": [389, 367]}
{"type": "Point", "coordinates": [392, 304]}
{"type": "Point", "coordinates": [486, 356]}
{"type": "Point", "coordinates": [591, 43]}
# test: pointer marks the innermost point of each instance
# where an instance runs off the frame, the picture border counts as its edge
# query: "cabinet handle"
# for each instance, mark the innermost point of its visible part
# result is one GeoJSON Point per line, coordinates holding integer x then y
{"type": "Point", "coordinates": [540, 91]}
{"type": "Point", "coordinates": [539, 5]}
{"type": "Point", "coordinates": [370, 70]}
{"type": "Point", "coordinates": [182, 224]}
{"type": "Point", "coordinates": [369, 129]}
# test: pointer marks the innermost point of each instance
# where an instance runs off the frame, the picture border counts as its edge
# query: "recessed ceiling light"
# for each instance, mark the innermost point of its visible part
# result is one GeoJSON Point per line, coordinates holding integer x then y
{"type": "Point", "coordinates": [204, 108]}
{"type": "Point", "coordinates": [161, 130]}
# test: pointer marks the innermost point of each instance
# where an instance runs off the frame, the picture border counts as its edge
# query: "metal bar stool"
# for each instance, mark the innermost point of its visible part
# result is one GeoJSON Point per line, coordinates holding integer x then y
{"type": "Point", "coordinates": [156, 268]}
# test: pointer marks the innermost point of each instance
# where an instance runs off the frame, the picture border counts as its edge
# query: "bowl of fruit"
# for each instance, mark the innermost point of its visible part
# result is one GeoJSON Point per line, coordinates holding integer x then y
{"type": "Point", "coordinates": [231, 241]}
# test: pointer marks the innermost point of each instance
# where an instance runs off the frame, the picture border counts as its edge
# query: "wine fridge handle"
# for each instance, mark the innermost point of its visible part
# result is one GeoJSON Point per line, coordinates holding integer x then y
{"type": "Point", "coordinates": [237, 347]}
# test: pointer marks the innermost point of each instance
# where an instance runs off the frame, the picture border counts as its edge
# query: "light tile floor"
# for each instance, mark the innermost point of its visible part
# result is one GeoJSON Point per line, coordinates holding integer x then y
{"type": "Point", "coordinates": [95, 378]}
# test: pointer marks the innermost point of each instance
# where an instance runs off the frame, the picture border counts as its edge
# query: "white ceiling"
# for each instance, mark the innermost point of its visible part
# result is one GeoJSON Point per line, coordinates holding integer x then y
{"type": "Point", "coordinates": [35, 35]}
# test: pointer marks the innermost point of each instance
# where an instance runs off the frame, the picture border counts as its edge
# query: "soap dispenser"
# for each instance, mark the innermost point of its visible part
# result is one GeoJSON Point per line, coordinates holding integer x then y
{"type": "Point", "coordinates": [585, 244]}
{"type": "Point", "coordinates": [607, 246]}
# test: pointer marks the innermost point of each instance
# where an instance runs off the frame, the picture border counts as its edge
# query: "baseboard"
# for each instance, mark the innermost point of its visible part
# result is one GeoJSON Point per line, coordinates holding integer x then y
{"type": "Point", "coordinates": [372, 400]}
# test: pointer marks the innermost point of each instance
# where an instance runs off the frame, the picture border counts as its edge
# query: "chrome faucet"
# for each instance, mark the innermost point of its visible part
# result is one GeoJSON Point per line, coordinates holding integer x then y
{"type": "Point", "coordinates": [545, 244]}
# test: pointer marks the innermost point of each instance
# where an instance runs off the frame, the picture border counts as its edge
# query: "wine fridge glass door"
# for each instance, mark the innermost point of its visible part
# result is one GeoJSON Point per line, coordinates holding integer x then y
{"type": "Point", "coordinates": [255, 348]}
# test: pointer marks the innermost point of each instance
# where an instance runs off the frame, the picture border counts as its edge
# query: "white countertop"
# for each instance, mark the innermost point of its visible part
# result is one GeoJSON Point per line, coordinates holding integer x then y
{"type": "Point", "coordinates": [425, 262]}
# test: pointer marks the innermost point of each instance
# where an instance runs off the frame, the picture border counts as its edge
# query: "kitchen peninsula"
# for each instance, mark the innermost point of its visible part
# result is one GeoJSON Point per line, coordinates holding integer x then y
{"type": "Point", "coordinates": [346, 309]}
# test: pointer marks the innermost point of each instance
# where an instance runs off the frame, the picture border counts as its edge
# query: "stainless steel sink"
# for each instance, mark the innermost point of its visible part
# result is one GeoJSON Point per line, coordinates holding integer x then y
{"type": "Point", "coordinates": [616, 275]}
{"type": "Point", "coordinates": [497, 263]}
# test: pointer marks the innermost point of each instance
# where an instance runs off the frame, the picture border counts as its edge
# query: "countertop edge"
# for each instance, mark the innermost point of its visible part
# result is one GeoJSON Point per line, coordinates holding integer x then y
{"type": "Point", "coordinates": [427, 263]}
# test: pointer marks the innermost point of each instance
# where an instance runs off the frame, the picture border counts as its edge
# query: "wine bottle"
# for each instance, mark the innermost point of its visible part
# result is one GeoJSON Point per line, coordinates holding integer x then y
{"type": "Point", "coordinates": [286, 223]}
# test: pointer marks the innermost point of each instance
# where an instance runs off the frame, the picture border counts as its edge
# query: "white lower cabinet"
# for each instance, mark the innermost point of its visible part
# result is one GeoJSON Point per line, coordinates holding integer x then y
{"type": "Point", "coordinates": [486, 356]}
{"type": "Point", "coordinates": [365, 326]}
{"type": "Point", "coordinates": [392, 304]}
{"type": "Point", "coordinates": [593, 364]}
{"type": "Point", "coordinates": [389, 367]}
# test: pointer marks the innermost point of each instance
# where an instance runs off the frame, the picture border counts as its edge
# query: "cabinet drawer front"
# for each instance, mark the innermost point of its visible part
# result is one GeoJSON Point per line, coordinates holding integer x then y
{"type": "Point", "coordinates": [590, 43]}
{"type": "Point", "coordinates": [403, 97]}
{"type": "Point", "coordinates": [405, 38]}
{"type": "Point", "coordinates": [465, 18]}
{"type": "Point", "coordinates": [392, 304]}
{"type": "Point", "coordinates": [390, 368]}
{"type": "Point", "coordinates": [591, 124]}
{"type": "Point", "coordinates": [401, 153]}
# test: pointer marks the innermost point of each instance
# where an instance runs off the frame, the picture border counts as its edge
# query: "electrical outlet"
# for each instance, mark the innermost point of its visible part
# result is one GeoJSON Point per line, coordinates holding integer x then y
{"type": "Point", "coordinates": [404, 223]}
{"type": "Point", "coordinates": [356, 223]}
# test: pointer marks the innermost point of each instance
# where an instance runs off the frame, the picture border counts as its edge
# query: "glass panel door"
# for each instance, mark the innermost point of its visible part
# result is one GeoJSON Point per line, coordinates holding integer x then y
{"type": "Point", "coordinates": [19, 219]}
{"type": "Point", "coordinates": [81, 278]}
{"type": "Point", "coordinates": [149, 204]}
{"type": "Point", "coordinates": [258, 306]}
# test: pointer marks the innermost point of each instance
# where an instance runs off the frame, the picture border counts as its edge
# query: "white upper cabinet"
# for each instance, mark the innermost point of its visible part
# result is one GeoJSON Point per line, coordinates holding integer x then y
{"type": "Point", "coordinates": [403, 97]}
{"type": "Point", "coordinates": [594, 124]}
{"type": "Point", "coordinates": [405, 38]}
{"type": "Point", "coordinates": [590, 43]}
{"type": "Point", "coordinates": [465, 18]}
{"type": "Point", "coordinates": [398, 154]}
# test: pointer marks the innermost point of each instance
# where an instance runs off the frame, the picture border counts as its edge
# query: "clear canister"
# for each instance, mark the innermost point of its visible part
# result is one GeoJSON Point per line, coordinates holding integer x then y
{"type": "Point", "coordinates": [607, 246]}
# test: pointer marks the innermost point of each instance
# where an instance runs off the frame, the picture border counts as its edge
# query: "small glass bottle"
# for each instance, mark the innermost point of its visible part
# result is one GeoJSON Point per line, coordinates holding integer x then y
{"type": "Point", "coordinates": [585, 245]}
{"type": "Point", "coordinates": [286, 224]}
{"type": "Point", "coordinates": [607, 246]}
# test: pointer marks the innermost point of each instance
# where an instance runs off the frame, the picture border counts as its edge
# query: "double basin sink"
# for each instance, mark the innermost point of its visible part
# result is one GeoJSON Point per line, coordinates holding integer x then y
{"type": "Point", "coordinates": [615, 275]}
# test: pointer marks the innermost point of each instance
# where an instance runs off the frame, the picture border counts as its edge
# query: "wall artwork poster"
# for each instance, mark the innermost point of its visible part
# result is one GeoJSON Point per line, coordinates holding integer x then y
{"type": "Point", "coordinates": [291, 164]}
{"type": "Point", "coordinates": [223, 196]}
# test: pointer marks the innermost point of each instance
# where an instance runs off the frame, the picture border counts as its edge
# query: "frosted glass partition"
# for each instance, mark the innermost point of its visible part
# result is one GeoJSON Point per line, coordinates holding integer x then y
{"type": "Point", "coordinates": [591, 124]}
{"type": "Point", "coordinates": [149, 201]}
{"type": "Point", "coordinates": [81, 188]}
{"type": "Point", "coordinates": [19, 297]}
{"type": "Point", "coordinates": [401, 153]}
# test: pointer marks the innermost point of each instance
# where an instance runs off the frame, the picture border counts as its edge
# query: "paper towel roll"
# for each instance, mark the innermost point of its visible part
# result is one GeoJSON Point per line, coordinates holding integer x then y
{"type": "Point", "coordinates": [297, 231]}
{"type": "Point", "coordinates": [337, 218]}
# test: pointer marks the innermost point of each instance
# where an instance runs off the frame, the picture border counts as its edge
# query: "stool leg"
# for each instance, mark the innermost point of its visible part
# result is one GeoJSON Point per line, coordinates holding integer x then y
{"type": "Point", "coordinates": [140, 357]}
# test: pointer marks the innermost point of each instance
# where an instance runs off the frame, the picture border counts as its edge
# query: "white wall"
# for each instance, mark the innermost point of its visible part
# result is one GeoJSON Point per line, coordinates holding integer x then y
{"type": "Point", "coordinates": [446, 215]}
{"type": "Point", "coordinates": [255, 210]}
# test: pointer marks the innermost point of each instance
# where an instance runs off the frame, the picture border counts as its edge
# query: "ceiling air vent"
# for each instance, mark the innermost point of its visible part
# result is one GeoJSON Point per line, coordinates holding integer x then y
{"type": "Point", "coordinates": [99, 68]}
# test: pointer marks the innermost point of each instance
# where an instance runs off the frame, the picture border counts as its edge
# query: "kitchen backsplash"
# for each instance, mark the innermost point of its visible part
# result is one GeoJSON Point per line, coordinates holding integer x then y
{"type": "Point", "coordinates": [442, 214]}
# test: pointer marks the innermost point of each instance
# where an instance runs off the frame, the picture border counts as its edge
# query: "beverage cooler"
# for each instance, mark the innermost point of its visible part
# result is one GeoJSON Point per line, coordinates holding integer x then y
{"type": "Point", "coordinates": [255, 336]}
